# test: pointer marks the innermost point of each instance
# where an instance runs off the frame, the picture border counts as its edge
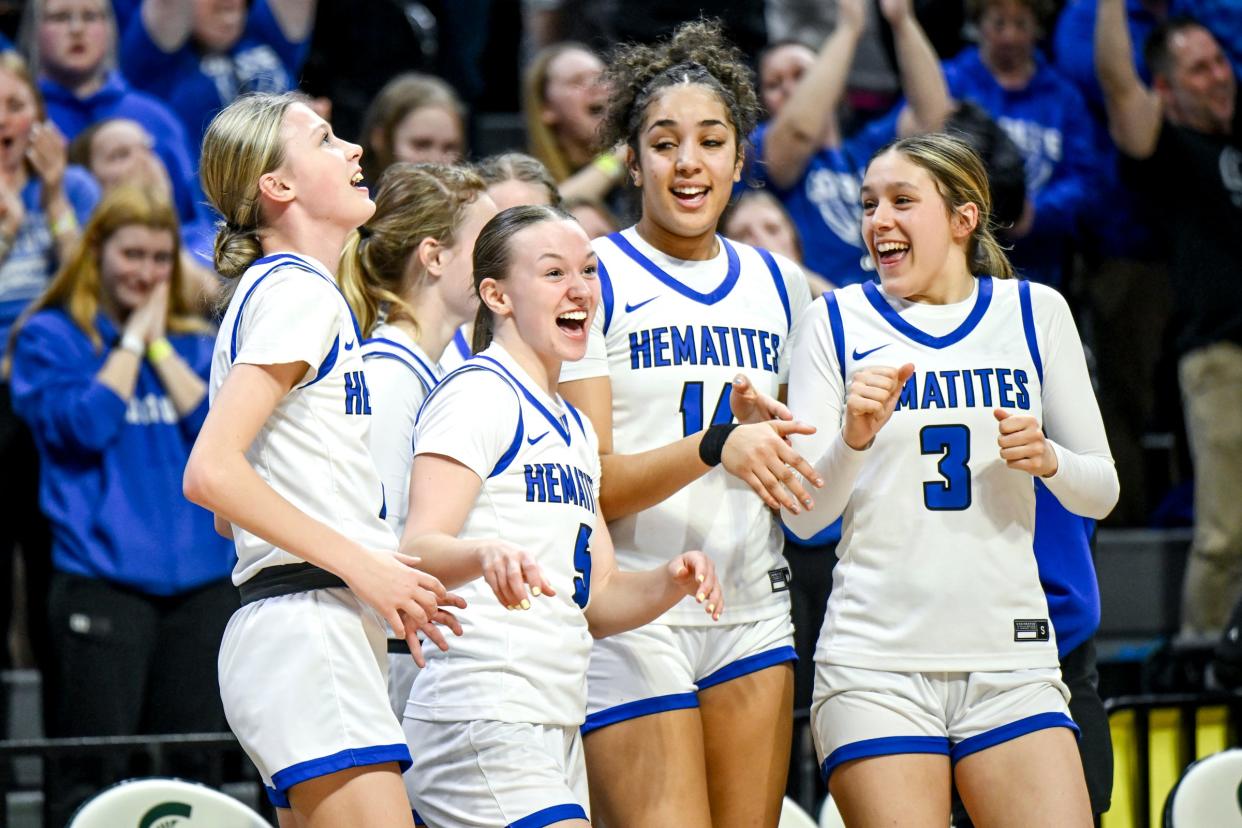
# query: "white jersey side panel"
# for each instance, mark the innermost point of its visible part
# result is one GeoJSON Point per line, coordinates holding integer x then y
{"type": "Point", "coordinates": [675, 335]}
{"type": "Point", "coordinates": [539, 463]}
{"type": "Point", "coordinates": [936, 567]}
{"type": "Point", "coordinates": [400, 375]}
{"type": "Point", "coordinates": [458, 349]}
{"type": "Point", "coordinates": [313, 449]}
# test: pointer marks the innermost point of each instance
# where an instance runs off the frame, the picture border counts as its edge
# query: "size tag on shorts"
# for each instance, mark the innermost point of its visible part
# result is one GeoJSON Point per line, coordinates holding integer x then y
{"type": "Point", "coordinates": [1030, 629]}
{"type": "Point", "coordinates": [779, 579]}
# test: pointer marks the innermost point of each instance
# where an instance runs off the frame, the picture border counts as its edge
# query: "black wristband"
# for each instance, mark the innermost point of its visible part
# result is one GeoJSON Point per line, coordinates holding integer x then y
{"type": "Point", "coordinates": [713, 442]}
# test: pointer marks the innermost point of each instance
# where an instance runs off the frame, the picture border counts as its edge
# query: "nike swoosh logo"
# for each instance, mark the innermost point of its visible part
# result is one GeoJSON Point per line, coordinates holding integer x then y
{"type": "Point", "coordinates": [631, 308]}
{"type": "Point", "coordinates": [349, 346]}
{"type": "Point", "coordinates": [864, 354]}
{"type": "Point", "coordinates": [533, 440]}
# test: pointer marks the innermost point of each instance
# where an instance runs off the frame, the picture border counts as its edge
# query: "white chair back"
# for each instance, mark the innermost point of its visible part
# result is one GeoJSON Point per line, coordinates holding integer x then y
{"type": "Point", "coordinates": [1208, 794]}
{"type": "Point", "coordinates": [164, 803]}
{"type": "Point", "coordinates": [792, 816]}
{"type": "Point", "coordinates": [829, 816]}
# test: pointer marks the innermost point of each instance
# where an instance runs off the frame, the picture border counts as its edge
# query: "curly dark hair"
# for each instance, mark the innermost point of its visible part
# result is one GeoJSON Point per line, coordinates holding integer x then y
{"type": "Point", "coordinates": [697, 53]}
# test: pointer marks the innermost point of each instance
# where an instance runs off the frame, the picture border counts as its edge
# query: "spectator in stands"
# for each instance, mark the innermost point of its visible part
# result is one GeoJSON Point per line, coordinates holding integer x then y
{"type": "Point", "coordinates": [108, 368]}
{"type": "Point", "coordinates": [416, 118]}
{"type": "Point", "coordinates": [198, 55]}
{"type": "Point", "coordinates": [564, 98]}
{"type": "Point", "coordinates": [757, 218]}
{"type": "Point", "coordinates": [42, 204]}
{"type": "Point", "coordinates": [119, 152]}
{"type": "Point", "coordinates": [1044, 115]}
{"type": "Point", "coordinates": [596, 219]}
{"type": "Point", "coordinates": [1127, 290]}
{"type": "Point", "coordinates": [1223, 18]}
{"type": "Point", "coordinates": [810, 167]}
{"type": "Point", "coordinates": [71, 46]}
{"type": "Point", "coordinates": [1182, 142]}
{"type": "Point", "coordinates": [514, 178]}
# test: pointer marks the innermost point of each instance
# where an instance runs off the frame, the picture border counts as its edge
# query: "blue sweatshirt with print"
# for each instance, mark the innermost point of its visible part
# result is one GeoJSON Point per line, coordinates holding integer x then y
{"type": "Point", "coordinates": [110, 470]}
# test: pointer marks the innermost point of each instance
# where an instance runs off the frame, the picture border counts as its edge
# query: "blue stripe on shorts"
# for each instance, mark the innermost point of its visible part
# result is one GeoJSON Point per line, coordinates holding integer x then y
{"type": "Point", "coordinates": [548, 816]}
{"type": "Point", "coordinates": [884, 746]}
{"type": "Point", "coordinates": [637, 709]}
{"type": "Point", "coordinates": [997, 735]}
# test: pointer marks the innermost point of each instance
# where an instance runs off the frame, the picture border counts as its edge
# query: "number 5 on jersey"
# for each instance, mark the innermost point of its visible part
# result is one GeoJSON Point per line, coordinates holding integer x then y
{"type": "Point", "coordinates": [582, 566]}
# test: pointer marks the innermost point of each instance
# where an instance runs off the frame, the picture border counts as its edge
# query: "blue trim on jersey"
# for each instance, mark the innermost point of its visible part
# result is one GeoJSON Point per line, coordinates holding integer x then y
{"type": "Point", "coordinates": [746, 666]}
{"type": "Point", "coordinates": [883, 746]}
{"type": "Point", "coordinates": [775, 270]}
{"type": "Point", "coordinates": [329, 362]}
{"type": "Point", "coordinates": [473, 364]}
{"type": "Point", "coordinates": [285, 779]}
{"type": "Point", "coordinates": [421, 369]}
{"type": "Point", "coordinates": [463, 347]}
{"type": "Point", "coordinates": [418, 821]}
{"type": "Point", "coordinates": [721, 291]}
{"type": "Point", "coordinates": [638, 709]}
{"type": "Point", "coordinates": [1028, 325]}
{"type": "Point", "coordinates": [605, 293]}
{"type": "Point", "coordinates": [559, 423]}
{"type": "Point", "coordinates": [577, 417]}
{"type": "Point", "coordinates": [838, 330]}
{"type": "Point", "coordinates": [982, 301]}
{"type": "Point", "coordinates": [511, 452]}
{"type": "Point", "coordinates": [549, 816]}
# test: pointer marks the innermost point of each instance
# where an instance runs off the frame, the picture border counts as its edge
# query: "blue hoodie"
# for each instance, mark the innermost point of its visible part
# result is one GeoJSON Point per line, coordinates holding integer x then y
{"type": "Point", "coordinates": [1066, 570]}
{"type": "Point", "coordinates": [110, 481]}
{"type": "Point", "coordinates": [1049, 122]}
{"type": "Point", "coordinates": [116, 99]}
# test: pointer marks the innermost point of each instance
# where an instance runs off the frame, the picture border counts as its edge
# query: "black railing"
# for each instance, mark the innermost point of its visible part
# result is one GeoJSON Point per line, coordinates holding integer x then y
{"type": "Point", "coordinates": [66, 772]}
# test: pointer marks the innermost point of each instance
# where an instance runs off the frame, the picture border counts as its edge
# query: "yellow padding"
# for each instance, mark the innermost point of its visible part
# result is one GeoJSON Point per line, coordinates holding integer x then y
{"type": "Point", "coordinates": [1124, 809]}
{"type": "Point", "coordinates": [1211, 730]}
{"type": "Point", "coordinates": [1165, 762]}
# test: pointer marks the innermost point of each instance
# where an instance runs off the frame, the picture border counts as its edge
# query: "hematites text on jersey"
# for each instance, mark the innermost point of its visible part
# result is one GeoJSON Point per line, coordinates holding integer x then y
{"type": "Point", "coordinates": [705, 345]}
{"type": "Point", "coordinates": [558, 483]}
{"type": "Point", "coordinates": [987, 387]}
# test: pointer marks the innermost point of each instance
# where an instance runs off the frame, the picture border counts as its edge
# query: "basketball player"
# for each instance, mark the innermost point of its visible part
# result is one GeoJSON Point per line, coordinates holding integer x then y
{"type": "Point", "coordinates": [407, 275]}
{"type": "Point", "coordinates": [933, 392]}
{"type": "Point", "coordinates": [504, 500]}
{"type": "Point", "coordinates": [283, 458]}
{"type": "Point", "coordinates": [687, 314]}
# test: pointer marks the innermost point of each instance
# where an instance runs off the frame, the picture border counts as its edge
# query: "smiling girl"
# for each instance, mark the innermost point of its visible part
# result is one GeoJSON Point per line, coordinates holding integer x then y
{"type": "Point", "coordinates": [283, 458]}
{"type": "Point", "coordinates": [939, 394]}
{"type": "Point", "coordinates": [691, 331]}
{"type": "Point", "coordinates": [504, 497]}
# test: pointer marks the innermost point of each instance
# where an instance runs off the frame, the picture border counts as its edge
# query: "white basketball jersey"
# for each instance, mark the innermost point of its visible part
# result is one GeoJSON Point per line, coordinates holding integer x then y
{"type": "Point", "coordinates": [936, 568]}
{"type": "Point", "coordinates": [674, 343]}
{"type": "Point", "coordinates": [538, 459]}
{"type": "Point", "coordinates": [458, 350]}
{"type": "Point", "coordinates": [400, 375]}
{"type": "Point", "coordinates": [313, 449]}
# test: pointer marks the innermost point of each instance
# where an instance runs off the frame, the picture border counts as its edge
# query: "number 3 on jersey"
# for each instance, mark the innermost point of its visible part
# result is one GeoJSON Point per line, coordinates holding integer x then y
{"type": "Point", "coordinates": [582, 566]}
{"type": "Point", "coordinates": [953, 443]}
{"type": "Point", "coordinates": [692, 408]}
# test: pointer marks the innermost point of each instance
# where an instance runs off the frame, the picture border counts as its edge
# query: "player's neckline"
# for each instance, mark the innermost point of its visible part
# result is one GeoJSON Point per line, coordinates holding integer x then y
{"type": "Point", "coordinates": [721, 291]}
{"type": "Point", "coordinates": [983, 298]}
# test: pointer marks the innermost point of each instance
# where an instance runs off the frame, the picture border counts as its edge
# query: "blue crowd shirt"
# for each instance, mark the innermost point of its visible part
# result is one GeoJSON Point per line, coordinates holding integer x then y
{"type": "Point", "coordinates": [824, 202]}
{"type": "Point", "coordinates": [1066, 570]}
{"type": "Point", "coordinates": [197, 85]}
{"type": "Point", "coordinates": [1048, 121]}
{"type": "Point", "coordinates": [117, 99]}
{"type": "Point", "coordinates": [33, 258]}
{"type": "Point", "coordinates": [110, 470]}
{"type": "Point", "coordinates": [1119, 224]}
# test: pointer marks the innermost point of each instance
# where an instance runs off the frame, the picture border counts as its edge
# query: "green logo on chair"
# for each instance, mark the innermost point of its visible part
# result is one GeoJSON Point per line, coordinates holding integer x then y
{"type": "Point", "coordinates": [166, 815]}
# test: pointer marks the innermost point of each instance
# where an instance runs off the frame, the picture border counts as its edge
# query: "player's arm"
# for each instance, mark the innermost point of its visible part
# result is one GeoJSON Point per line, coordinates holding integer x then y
{"type": "Point", "coordinates": [1070, 452]}
{"type": "Point", "coordinates": [442, 493]}
{"type": "Point", "coordinates": [1134, 111]}
{"type": "Point", "coordinates": [754, 453]}
{"type": "Point", "coordinates": [809, 116]}
{"type": "Point", "coordinates": [622, 601]}
{"type": "Point", "coordinates": [219, 478]}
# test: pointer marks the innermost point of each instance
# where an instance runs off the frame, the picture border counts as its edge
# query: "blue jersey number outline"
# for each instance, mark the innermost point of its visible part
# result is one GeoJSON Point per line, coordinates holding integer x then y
{"type": "Point", "coordinates": [582, 566]}
{"type": "Point", "coordinates": [952, 442]}
{"type": "Point", "coordinates": [692, 408]}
